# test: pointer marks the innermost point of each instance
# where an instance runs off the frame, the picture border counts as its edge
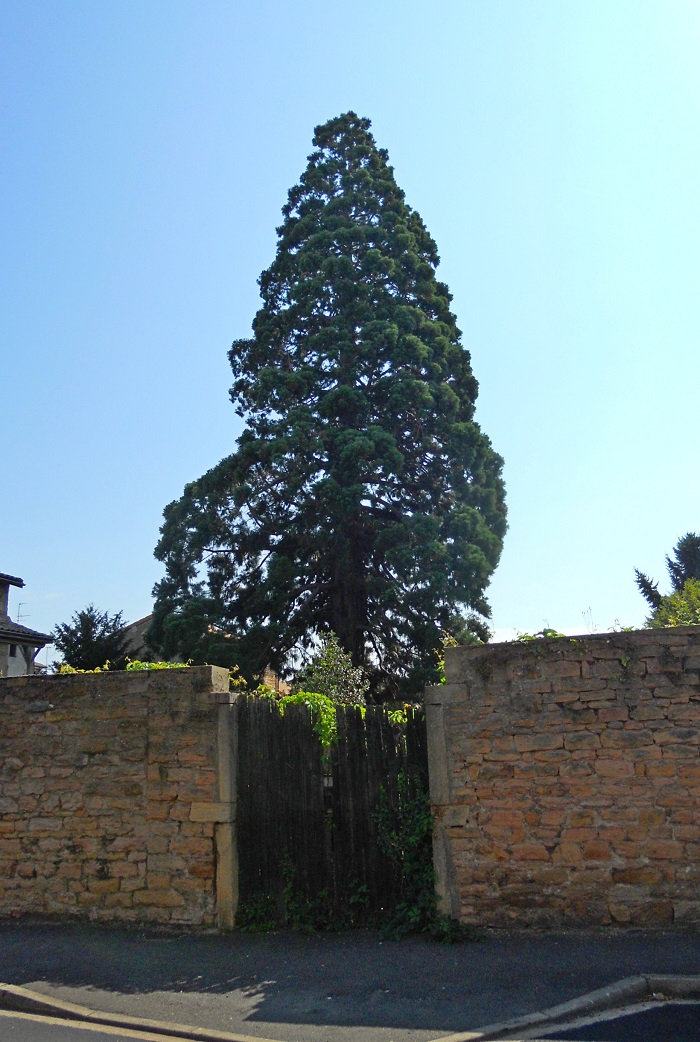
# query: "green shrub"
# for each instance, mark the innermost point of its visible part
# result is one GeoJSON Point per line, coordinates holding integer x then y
{"type": "Point", "coordinates": [681, 608]}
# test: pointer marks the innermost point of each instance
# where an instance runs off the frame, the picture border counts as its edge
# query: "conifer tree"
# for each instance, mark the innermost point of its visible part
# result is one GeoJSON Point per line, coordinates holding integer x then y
{"type": "Point", "coordinates": [363, 498]}
{"type": "Point", "coordinates": [92, 639]}
{"type": "Point", "coordinates": [684, 565]}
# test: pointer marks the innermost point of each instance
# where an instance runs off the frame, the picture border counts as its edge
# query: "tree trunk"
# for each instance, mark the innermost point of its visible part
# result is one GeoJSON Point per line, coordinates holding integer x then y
{"type": "Point", "coordinates": [348, 599]}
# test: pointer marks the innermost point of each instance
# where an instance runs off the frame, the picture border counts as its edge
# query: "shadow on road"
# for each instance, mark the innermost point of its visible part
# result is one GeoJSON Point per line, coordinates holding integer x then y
{"type": "Point", "coordinates": [344, 979]}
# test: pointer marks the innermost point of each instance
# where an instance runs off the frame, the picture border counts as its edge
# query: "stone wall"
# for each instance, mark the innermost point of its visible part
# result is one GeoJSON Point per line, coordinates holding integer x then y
{"type": "Point", "coordinates": [101, 776]}
{"type": "Point", "coordinates": [565, 780]}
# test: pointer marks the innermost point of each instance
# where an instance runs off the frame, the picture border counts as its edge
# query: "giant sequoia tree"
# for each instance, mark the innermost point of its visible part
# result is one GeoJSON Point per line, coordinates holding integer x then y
{"type": "Point", "coordinates": [362, 497]}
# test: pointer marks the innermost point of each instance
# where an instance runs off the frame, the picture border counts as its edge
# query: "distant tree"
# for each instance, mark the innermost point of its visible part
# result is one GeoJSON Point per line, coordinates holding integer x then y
{"type": "Point", "coordinates": [363, 498]}
{"type": "Point", "coordinates": [91, 638]}
{"type": "Point", "coordinates": [684, 565]}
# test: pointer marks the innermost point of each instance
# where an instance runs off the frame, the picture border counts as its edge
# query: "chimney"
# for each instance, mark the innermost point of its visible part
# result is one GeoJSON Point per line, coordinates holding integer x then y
{"type": "Point", "coordinates": [6, 581]}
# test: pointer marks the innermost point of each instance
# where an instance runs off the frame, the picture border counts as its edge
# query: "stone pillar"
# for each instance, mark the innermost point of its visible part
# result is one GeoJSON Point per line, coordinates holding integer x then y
{"type": "Point", "coordinates": [436, 699]}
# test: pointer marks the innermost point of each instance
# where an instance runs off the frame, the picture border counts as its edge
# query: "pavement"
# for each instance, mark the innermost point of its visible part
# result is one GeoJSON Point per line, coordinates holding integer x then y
{"type": "Point", "coordinates": [345, 987]}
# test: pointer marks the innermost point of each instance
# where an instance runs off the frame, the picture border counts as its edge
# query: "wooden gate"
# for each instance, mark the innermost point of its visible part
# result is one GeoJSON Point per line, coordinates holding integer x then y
{"type": "Point", "coordinates": [308, 816]}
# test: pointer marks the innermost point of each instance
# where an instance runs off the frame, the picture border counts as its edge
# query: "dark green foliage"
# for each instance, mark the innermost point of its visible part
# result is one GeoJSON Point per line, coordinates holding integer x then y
{"type": "Point", "coordinates": [362, 499]}
{"type": "Point", "coordinates": [194, 632]}
{"type": "Point", "coordinates": [684, 565]}
{"type": "Point", "coordinates": [405, 835]}
{"type": "Point", "coordinates": [91, 639]}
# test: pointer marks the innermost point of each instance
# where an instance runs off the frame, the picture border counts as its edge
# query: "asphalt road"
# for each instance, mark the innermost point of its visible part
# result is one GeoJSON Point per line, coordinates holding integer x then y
{"type": "Point", "coordinates": [350, 987]}
{"type": "Point", "coordinates": [19, 1027]}
{"type": "Point", "coordinates": [670, 1022]}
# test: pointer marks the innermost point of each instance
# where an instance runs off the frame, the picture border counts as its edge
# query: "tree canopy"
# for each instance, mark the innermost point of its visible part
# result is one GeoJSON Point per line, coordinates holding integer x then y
{"type": "Point", "coordinates": [362, 498]}
{"type": "Point", "coordinates": [92, 638]}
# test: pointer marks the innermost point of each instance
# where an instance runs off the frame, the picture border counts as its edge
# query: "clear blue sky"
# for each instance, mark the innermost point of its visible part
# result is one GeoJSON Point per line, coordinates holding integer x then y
{"type": "Point", "coordinates": [553, 151]}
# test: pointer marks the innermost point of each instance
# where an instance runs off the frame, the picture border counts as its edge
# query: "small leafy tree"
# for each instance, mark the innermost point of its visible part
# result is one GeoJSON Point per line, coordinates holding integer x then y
{"type": "Point", "coordinates": [91, 638]}
{"type": "Point", "coordinates": [332, 673]}
{"type": "Point", "coordinates": [680, 608]}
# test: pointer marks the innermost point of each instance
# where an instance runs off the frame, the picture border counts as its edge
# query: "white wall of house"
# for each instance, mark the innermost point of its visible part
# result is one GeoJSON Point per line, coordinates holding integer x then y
{"type": "Point", "coordinates": [15, 665]}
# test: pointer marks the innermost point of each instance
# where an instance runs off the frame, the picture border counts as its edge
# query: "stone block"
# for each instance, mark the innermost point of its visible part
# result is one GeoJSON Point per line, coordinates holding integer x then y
{"type": "Point", "coordinates": [581, 740]}
{"type": "Point", "coordinates": [158, 898]}
{"type": "Point", "coordinates": [686, 913]}
{"type": "Point", "coordinates": [610, 739]}
{"type": "Point", "coordinates": [650, 816]}
{"type": "Point", "coordinates": [201, 870]}
{"type": "Point", "coordinates": [125, 870]}
{"type": "Point", "coordinates": [596, 850]}
{"type": "Point", "coordinates": [664, 850]}
{"type": "Point", "coordinates": [609, 767]}
{"type": "Point", "coordinates": [159, 881]}
{"type": "Point", "coordinates": [536, 742]}
{"type": "Point", "coordinates": [610, 714]}
{"type": "Point", "coordinates": [570, 853]}
{"type": "Point", "coordinates": [118, 900]}
{"type": "Point", "coordinates": [689, 736]}
{"type": "Point", "coordinates": [530, 852]}
{"type": "Point", "coordinates": [562, 668]}
{"type": "Point", "coordinates": [103, 886]}
{"type": "Point", "coordinates": [641, 875]}
{"type": "Point", "coordinates": [681, 752]}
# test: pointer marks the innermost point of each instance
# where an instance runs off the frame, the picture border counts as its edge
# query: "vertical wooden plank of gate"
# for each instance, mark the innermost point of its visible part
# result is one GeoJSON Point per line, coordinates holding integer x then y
{"type": "Point", "coordinates": [372, 753]}
{"type": "Point", "coordinates": [243, 809]}
{"type": "Point", "coordinates": [284, 809]}
{"type": "Point", "coordinates": [308, 786]}
{"type": "Point", "coordinates": [256, 782]}
{"type": "Point", "coordinates": [270, 835]}
{"type": "Point", "coordinates": [302, 810]}
{"type": "Point", "coordinates": [341, 811]}
{"type": "Point", "coordinates": [285, 806]}
{"type": "Point", "coordinates": [311, 821]}
{"type": "Point", "coordinates": [251, 774]}
{"type": "Point", "coordinates": [388, 767]}
{"type": "Point", "coordinates": [254, 792]}
{"type": "Point", "coordinates": [291, 797]}
{"type": "Point", "coordinates": [318, 821]}
{"type": "Point", "coordinates": [317, 815]}
{"type": "Point", "coordinates": [354, 872]}
{"type": "Point", "coordinates": [352, 868]}
{"type": "Point", "coordinates": [417, 748]}
{"type": "Point", "coordinates": [372, 772]}
{"type": "Point", "coordinates": [258, 763]}
{"type": "Point", "coordinates": [262, 780]}
{"type": "Point", "coordinates": [296, 726]}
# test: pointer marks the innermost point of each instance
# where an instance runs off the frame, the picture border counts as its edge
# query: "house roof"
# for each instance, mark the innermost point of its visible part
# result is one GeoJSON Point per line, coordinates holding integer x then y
{"type": "Point", "coordinates": [11, 580]}
{"type": "Point", "coordinates": [13, 633]}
